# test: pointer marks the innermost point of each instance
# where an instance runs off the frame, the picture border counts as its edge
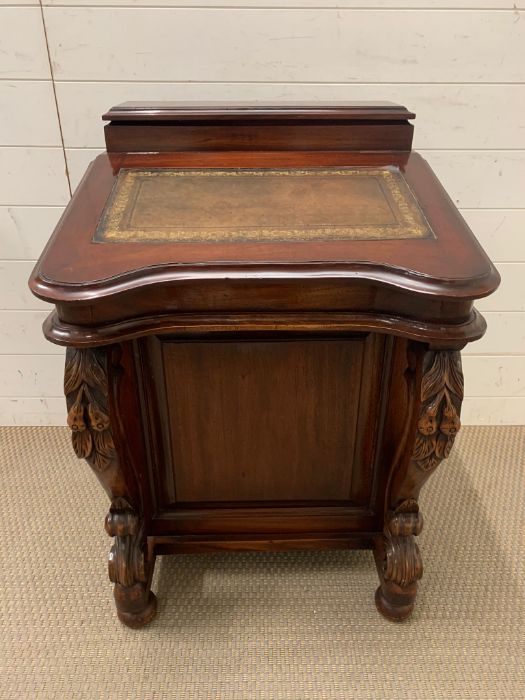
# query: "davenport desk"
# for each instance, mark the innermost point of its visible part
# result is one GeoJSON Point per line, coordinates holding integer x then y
{"type": "Point", "coordinates": [263, 309]}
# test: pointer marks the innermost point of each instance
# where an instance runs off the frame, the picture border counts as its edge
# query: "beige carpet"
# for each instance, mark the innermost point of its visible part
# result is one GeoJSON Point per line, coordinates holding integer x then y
{"type": "Point", "coordinates": [299, 626]}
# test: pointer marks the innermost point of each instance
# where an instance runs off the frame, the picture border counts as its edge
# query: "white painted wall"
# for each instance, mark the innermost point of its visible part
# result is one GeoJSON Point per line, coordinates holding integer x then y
{"type": "Point", "coordinates": [459, 65]}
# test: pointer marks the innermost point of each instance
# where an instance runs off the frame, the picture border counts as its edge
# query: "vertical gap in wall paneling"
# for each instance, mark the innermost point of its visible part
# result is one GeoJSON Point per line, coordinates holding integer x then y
{"type": "Point", "coordinates": [55, 97]}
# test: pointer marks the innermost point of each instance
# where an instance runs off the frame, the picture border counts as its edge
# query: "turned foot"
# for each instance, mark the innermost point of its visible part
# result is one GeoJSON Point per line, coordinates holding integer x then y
{"type": "Point", "coordinates": [394, 601]}
{"type": "Point", "coordinates": [395, 605]}
{"type": "Point", "coordinates": [136, 606]}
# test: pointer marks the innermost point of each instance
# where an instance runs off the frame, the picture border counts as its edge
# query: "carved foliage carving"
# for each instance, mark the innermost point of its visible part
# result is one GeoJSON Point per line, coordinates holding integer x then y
{"type": "Point", "coordinates": [86, 389]}
{"type": "Point", "coordinates": [403, 564]}
{"type": "Point", "coordinates": [438, 424]}
{"type": "Point", "coordinates": [126, 557]}
{"type": "Point", "coordinates": [441, 396]}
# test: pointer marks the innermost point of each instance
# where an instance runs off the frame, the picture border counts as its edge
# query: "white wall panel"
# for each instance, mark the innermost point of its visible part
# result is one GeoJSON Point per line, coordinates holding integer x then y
{"type": "Point", "coordinates": [505, 335]}
{"type": "Point", "coordinates": [461, 70]}
{"type": "Point", "coordinates": [316, 4]}
{"type": "Point", "coordinates": [500, 231]}
{"type": "Point", "coordinates": [14, 292]}
{"type": "Point", "coordinates": [28, 114]}
{"type": "Point", "coordinates": [285, 45]}
{"type": "Point", "coordinates": [31, 375]}
{"type": "Point", "coordinates": [22, 44]}
{"type": "Point", "coordinates": [78, 160]}
{"type": "Point", "coordinates": [447, 115]}
{"type": "Point", "coordinates": [493, 411]}
{"type": "Point", "coordinates": [21, 334]}
{"type": "Point", "coordinates": [511, 294]}
{"type": "Point", "coordinates": [32, 411]}
{"type": "Point", "coordinates": [24, 231]}
{"type": "Point", "coordinates": [494, 375]}
{"type": "Point", "coordinates": [31, 176]}
{"type": "Point", "coordinates": [492, 179]}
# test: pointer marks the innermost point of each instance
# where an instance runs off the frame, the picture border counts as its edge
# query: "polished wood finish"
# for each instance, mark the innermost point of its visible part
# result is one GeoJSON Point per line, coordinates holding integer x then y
{"type": "Point", "coordinates": [338, 110]}
{"type": "Point", "coordinates": [438, 409]}
{"type": "Point", "coordinates": [224, 449]}
{"type": "Point", "coordinates": [218, 126]}
{"type": "Point", "coordinates": [451, 265]}
{"type": "Point", "coordinates": [89, 380]}
{"type": "Point", "coordinates": [248, 393]}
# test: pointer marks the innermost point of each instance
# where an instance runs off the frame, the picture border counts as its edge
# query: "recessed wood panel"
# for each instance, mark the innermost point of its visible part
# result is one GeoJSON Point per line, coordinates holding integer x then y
{"type": "Point", "coordinates": [264, 420]}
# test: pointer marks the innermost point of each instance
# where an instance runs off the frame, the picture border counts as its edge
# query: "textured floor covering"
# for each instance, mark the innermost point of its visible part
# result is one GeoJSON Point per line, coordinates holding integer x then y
{"type": "Point", "coordinates": [294, 626]}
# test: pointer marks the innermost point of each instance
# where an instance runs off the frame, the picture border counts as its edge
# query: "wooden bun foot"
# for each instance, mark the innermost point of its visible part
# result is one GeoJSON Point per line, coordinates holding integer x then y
{"type": "Point", "coordinates": [136, 620]}
{"type": "Point", "coordinates": [395, 611]}
{"type": "Point", "coordinates": [136, 606]}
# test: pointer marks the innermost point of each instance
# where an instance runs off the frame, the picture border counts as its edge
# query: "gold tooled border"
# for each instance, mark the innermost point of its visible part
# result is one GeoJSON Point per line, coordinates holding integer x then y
{"type": "Point", "coordinates": [112, 225]}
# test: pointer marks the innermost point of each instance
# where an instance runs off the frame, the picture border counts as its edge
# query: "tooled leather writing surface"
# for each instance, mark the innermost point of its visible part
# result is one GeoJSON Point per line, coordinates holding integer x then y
{"type": "Point", "coordinates": [242, 205]}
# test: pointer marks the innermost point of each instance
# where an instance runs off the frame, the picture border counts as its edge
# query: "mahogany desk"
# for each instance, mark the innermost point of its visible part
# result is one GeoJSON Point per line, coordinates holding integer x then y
{"type": "Point", "coordinates": [264, 309]}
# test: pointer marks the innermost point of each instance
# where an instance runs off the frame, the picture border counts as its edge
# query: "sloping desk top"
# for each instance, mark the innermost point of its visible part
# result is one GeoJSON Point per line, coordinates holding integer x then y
{"type": "Point", "coordinates": [242, 205]}
{"type": "Point", "coordinates": [229, 221]}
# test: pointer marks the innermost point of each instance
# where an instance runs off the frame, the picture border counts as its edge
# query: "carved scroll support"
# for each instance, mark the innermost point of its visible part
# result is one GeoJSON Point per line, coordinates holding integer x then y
{"type": "Point", "coordinates": [399, 561]}
{"type": "Point", "coordinates": [86, 385]}
{"type": "Point", "coordinates": [136, 604]}
{"type": "Point", "coordinates": [438, 408]}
